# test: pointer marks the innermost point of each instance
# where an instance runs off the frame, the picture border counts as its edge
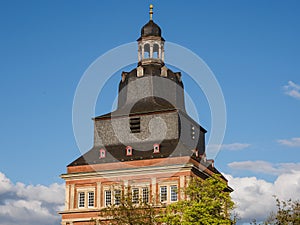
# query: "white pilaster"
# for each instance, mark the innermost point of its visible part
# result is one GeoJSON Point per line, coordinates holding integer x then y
{"type": "Point", "coordinates": [67, 197]}
{"type": "Point", "coordinates": [72, 202]}
{"type": "Point", "coordinates": [153, 187]}
{"type": "Point", "coordinates": [181, 187]}
{"type": "Point", "coordinates": [98, 190]}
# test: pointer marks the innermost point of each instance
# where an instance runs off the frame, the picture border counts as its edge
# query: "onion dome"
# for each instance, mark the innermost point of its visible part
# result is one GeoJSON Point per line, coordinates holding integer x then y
{"type": "Point", "coordinates": [150, 29]}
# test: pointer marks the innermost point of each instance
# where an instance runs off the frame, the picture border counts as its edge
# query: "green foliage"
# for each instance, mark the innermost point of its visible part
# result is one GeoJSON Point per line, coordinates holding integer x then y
{"type": "Point", "coordinates": [129, 213]}
{"type": "Point", "coordinates": [288, 213]}
{"type": "Point", "coordinates": [208, 204]}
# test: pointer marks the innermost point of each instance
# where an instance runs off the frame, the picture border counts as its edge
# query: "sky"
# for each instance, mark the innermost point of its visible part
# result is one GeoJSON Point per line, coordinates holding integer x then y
{"type": "Point", "coordinates": [252, 47]}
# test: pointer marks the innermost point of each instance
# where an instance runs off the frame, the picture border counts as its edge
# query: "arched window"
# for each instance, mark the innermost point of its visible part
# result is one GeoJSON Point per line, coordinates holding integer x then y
{"type": "Point", "coordinates": [146, 51]}
{"type": "Point", "coordinates": [155, 51]}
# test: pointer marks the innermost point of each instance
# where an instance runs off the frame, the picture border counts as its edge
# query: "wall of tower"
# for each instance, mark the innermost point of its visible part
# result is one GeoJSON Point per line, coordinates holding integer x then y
{"type": "Point", "coordinates": [153, 128]}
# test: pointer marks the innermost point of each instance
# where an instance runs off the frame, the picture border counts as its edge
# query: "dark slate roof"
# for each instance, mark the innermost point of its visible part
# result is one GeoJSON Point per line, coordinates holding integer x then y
{"type": "Point", "coordinates": [150, 29]}
{"type": "Point", "coordinates": [143, 106]}
{"type": "Point", "coordinates": [151, 70]}
{"type": "Point", "coordinates": [140, 151]}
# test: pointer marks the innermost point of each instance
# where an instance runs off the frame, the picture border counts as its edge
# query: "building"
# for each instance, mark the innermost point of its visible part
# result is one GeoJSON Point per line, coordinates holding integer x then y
{"type": "Point", "coordinates": [149, 143]}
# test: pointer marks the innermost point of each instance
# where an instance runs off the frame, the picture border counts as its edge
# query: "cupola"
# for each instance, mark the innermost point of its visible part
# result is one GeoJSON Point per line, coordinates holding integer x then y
{"type": "Point", "coordinates": [151, 43]}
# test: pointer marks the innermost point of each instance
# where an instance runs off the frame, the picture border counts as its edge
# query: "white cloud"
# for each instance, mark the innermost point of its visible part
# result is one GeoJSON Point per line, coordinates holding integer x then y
{"type": "Point", "coordinates": [5, 184]}
{"type": "Point", "coordinates": [265, 167]}
{"type": "Point", "coordinates": [29, 204]}
{"type": "Point", "coordinates": [254, 197]}
{"type": "Point", "coordinates": [293, 142]}
{"type": "Point", "coordinates": [235, 146]}
{"type": "Point", "coordinates": [213, 149]}
{"type": "Point", "coordinates": [292, 89]}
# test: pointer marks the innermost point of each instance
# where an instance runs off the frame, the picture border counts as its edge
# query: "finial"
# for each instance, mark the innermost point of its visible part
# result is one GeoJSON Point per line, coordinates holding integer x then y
{"type": "Point", "coordinates": [151, 11]}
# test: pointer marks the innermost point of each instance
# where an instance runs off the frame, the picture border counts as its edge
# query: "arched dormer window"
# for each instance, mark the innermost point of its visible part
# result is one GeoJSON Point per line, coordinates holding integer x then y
{"type": "Point", "coordinates": [102, 154]}
{"type": "Point", "coordinates": [156, 148]}
{"type": "Point", "coordinates": [128, 151]}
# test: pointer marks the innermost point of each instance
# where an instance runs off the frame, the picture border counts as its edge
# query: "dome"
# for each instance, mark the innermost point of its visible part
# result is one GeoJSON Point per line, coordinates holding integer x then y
{"type": "Point", "coordinates": [151, 29]}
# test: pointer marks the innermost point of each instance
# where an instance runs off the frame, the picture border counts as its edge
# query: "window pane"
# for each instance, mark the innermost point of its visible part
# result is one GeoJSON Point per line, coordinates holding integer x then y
{"type": "Point", "coordinates": [145, 196]}
{"type": "Point", "coordinates": [81, 199]}
{"type": "Point", "coordinates": [173, 193]}
{"type": "Point", "coordinates": [117, 197]}
{"type": "Point", "coordinates": [107, 198]}
{"type": "Point", "coordinates": [135, 195]}
{"type": "Point", "coordinates": [163, 193]}
{"type": "Point", "coordinates": [91, 199]}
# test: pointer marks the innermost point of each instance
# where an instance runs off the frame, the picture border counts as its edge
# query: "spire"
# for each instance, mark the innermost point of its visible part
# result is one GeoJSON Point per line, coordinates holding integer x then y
{"type": "Point", "coordinates": [151, 11]}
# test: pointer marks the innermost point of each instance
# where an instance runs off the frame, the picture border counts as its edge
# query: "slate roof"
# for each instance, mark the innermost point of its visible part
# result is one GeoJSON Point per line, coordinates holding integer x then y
{"type": "Point", "coordinates": [141, 151]}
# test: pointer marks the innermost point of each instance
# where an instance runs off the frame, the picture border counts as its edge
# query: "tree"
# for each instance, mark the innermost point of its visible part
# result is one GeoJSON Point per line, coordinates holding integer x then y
{"type": "Point", "coordinates": [288, 213]}
{"type": "Point", "coordinates": [129, 212]}
{"type": "Point", "coordinates": [208, 203]}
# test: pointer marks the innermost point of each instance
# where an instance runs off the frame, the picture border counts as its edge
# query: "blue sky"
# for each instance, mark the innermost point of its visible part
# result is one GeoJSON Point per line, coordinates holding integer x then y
{"type": "Point", "coordinates": [251, 46]}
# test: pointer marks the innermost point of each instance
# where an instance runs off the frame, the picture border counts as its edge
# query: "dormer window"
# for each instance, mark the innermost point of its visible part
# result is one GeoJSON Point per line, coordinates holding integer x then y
{"type": "Point", "coordinates": [156, 148]}
{"type": "Point", "coordinates": [102, 154]}
{"type": "Point", "coordinates": [128, 151]}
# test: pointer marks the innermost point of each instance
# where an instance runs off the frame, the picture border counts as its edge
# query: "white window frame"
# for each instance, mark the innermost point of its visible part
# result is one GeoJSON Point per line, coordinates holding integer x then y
{"type": "Point", "coordinates": [84, 199]}
{"type": "Point", "coordinates": [135, 195]}
{"type": "Point", "coordinates": [105, 197]}
{"type": "Point", "coordinates": [173, 193]}
{"type": "Point", "coordinates": [91, 199]}
{"type": "Point", "coordinates": [145, 194]}
{"type": "Point", "coordinates": [168, 192]}
{"type": "Point", "coordinates": [117, 197]}
{"type": "Point", "coordinates": [81, 199]}
{"type": "Point", "coordinates": [163, 195]}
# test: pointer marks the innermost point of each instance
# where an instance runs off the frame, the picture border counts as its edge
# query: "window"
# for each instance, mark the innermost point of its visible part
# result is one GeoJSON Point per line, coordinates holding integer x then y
{"type": "Point", "coordinates": [155, 51]}
{"type": "Point", "coordinates": [107, 197]}
{"type": "Point", "coordinates": [128, 151]}
{"type": "Point", "coordinates": [163, 193]}
{"type": "Point", "coordinates": [135, 125]}
{"type": "Point", "coordinates": [173, 193]}
{"type": "Point", "coordinates": [91, 199]}
{"type": "Point", "coordinates": [145, 194]}
{"type": "Point", "coordinates": [117, 197]}
{"type": "Point", "coordinates": [102, 154]}
{"type": "Point", "coordinates": [135, 195]}
{"type": "Point", "coordinates": [146, 51]}
{"type": "Point", "coordinates": [81, 199]}
{"type": "Point", "coordinates": [156, 148]}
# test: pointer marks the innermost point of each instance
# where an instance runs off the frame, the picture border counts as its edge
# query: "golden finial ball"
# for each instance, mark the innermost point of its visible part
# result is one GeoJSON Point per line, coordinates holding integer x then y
{"type": "Point", "coordinates": [151, 6]}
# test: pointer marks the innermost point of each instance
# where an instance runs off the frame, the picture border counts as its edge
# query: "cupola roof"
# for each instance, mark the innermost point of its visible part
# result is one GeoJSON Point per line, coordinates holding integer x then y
{"type": "Point", "coordinates": [150, 29]}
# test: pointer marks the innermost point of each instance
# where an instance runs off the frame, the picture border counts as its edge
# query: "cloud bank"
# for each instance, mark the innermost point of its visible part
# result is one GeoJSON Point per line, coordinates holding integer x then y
{"type": "Point", "coordinates": [30, 204]}
{"type": "Point", "coordinates": [265, 167]}
{"type": "Point", "coordinates": [254, 197]}
{"type": "Point", "coordinates": [38, 204]}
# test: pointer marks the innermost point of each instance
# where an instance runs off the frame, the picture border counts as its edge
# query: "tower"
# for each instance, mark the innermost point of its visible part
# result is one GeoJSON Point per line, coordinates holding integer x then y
{"type": "Point", "coordinates": [149, 143]}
